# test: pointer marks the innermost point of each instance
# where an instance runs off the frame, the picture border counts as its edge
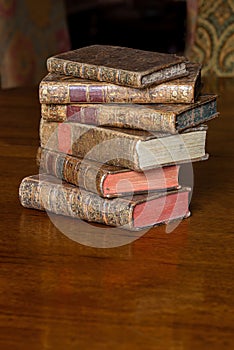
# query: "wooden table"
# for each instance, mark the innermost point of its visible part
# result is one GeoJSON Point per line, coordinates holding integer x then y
{"type": "Point", "coordinates": [162, 291]}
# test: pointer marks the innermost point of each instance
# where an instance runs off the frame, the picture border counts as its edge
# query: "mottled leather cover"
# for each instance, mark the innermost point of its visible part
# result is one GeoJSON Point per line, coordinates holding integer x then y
{"type": "Point", "coordinates": [46, 192]}
{"type": "Point", "coordinates": [57, 88]}
{"type": "Point", "coordinates": [170, 118]}
{"type": "Point", "coordinates": [119, 65]}
{"type": "Point", "coordinates": [114, 146]}
{"type": "Point", "coordinates": [84, 173]}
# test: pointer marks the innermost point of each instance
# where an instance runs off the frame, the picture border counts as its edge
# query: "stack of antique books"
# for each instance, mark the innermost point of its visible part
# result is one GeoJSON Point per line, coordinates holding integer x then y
{"type": "Point", "coordinates": [116, 125]}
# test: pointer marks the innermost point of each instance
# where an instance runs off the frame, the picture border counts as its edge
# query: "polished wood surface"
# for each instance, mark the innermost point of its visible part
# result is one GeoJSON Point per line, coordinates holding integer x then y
{"type": "Point", "coordinates": [162, 291]}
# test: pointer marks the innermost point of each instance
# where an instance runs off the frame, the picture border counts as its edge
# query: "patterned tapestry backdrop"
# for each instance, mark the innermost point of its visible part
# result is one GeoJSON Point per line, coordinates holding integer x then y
{"type": "Point", "coordinates": [30, 31]}
{"type": "Point", "coordinates": [210, 35]}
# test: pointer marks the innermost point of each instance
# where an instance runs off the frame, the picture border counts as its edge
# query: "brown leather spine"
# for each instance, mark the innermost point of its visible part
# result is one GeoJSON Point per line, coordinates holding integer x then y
{"type": "Point", "coordinates": [80, 172]}
{"type": "Point", "coordinates": [145, 117]}
{"type": "Point", "coordinates": [160, 117]}
{"type": "Point", "coordinates": [47, 193]}
{"type": "Point", "coordinates": [108, 146]}
{"type": "Point", "coordinates": [55, 88]}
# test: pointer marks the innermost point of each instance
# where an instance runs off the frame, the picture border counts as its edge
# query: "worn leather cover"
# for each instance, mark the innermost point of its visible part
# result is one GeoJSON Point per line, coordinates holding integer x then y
{"type": "Point", "coordinates": [84, 173]}
{"type": "Point", "coordinates": [119, 65]}
{"type": "Point", "coordinates": [114, 146]}
{"type": "Point", "coordinates": [57, 88]}
{"type": "Point", "coordinates": [170, 118]}
{"type": "Point", "coordinates": [46, 192]}
{"type": "Point", "coordinates": [88, 174]}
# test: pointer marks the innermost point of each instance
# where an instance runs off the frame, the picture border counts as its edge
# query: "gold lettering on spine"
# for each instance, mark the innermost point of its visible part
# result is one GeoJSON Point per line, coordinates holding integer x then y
{"type": "Point", "coordinates": [117, 76]}
{"type": "Point", "coordinates": [82, 114]}
{"type": "Point", "coordinates": [87, 93]}
{"type": "Point", "coordinates": [99, 73]}
{"type": "Point", "coordinates": [105, 212]}
{"type": "Point", "coordinates": [82, 68]}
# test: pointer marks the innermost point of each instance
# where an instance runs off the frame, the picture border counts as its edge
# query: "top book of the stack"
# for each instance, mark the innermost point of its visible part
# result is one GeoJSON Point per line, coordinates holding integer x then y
{"type": "Point", "coordinates": [119, 65]}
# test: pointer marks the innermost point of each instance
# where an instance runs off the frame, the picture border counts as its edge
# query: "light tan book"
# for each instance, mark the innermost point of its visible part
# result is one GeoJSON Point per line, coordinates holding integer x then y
{"type": "Point", "coordinates": [135, 149]}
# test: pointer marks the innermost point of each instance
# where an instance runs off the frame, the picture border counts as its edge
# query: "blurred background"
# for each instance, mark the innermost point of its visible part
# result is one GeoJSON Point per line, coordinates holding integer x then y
{"type": "Point", "coordinates": [31, 31]}
{"type": "Point", "coordinates": [148, 24]}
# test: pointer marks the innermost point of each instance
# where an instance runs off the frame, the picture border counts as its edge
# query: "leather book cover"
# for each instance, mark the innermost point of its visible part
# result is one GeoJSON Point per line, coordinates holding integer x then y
{"type": "Point", "coordinates": [102, 179]}
{"type": "Point", "coordinates": [138, 150]}
{"type": "Point", "coordinates": [55, 88]}
{"type": "Point", "coordinates": [118, 65]}
{"type": "Point", "coordinates": [47, 193]}
{"type": "Point", "coordinates": [170, 118]}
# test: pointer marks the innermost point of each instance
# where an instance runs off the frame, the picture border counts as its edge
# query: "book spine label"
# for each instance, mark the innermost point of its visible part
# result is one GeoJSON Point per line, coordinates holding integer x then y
{"type": "Point", "coordinates": [70, 201]}
{"type": "Point", "coordinates": [117, 115]}
{"type": "Point", "coordinates": [64, 92]}
{"type": "Point", "coordinates": [76, 171]}
{"type": "Point", "coordinates": [98, 144]}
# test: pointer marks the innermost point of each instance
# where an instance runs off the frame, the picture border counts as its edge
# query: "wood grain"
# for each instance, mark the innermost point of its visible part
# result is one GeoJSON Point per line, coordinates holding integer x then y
{"type": "Point", "coordinates": [163, 291]}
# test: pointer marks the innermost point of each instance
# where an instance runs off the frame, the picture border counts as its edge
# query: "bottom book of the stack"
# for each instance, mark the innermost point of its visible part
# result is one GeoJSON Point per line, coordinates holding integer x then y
{"type": "Point", "coordinates": [48, 193]}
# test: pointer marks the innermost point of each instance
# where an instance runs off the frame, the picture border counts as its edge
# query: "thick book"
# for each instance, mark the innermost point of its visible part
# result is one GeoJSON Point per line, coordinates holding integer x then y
{"type": "Point", "coordinates": [47, 193]}
{"type": "Point", "coordinates": [170, 118]}
{"type": "Point", "coordinates": [135, 149]}
{"type": "Point", "coordinates": [119, 65]}
{"type": "Point", "coordinates": [105, 180]}
{"type": "Point", "coordinates": [57, 88]}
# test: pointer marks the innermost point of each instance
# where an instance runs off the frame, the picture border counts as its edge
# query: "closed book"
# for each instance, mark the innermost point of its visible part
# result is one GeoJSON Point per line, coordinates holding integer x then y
{"type": "Point", "coordinates": [57, 88]}
{"type": "Point", "coordinates": [47, 193]}
{"type": "Point", "coordinates": [135, 149]}
{"type": "Point", "coordinates": [170, 118]}
{"type": "Point", "coordinates": [105, 180]}
{"type": "Point", "coordinates": [119, 65]}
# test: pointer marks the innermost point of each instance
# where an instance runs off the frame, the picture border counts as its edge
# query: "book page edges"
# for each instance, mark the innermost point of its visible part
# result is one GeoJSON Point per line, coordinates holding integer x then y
{"type": "Point", "coordinates": [174, 149]}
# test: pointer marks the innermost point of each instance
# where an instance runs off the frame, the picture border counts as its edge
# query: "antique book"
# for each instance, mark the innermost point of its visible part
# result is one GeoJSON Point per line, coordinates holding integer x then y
{"type": "Point", "coordinates": [170, 118]}
{"type": "Point", "coordinates": [57, 88]}
{"type": "Point", "coordinates": [135, 149]}
{"type": "Point", "coordinates": [105, 180]}
{"type": "Point", "coordinates": [46, 192]}
{"type": "Point", "coordinates": [118, 65]}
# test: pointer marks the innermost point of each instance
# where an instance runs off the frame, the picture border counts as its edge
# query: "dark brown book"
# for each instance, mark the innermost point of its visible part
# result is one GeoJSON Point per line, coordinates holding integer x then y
{"type": "Point", "coordinates": [170, 118]}
{"type": "Point", "coordinates": [57, 88]}
{"type": "Point", "coordinates": [105, 180]}
{"type": "Point", "coordinates": [135, 149]}
{"type": "Point", "coordinates": [48, 193]}
{"type": "Point", "coordinates": [118, 65]}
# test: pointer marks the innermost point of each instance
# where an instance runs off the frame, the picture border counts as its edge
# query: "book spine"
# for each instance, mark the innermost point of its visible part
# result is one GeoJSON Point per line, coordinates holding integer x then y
{"type": "Point", "coordinates": [70, 201]}
{"type": "Point", "coordinates": [92, 72]}
{"type": "Point", "coordinates": [195, 116]}
{"type": "Point", "coordinates": [65, 92]}
{"type": "Point", "coordinates": [117, 115]}
{"type": "Point", "coordinates": [98, 144]}
{"type": "Point", "coordinates": [76, 171]}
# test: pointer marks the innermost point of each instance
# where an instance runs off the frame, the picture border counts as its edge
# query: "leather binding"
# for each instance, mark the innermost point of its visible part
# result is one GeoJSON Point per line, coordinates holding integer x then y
{"type": "Point", "coordinates": [170, 118]}
{"type": "Point", "coordinates": [45, 192]}
{"type": "Point", "coordinates": [85, 173]}
{"type": "Point", "coordinates": [61, 89]}
{"type": "Point", "coordinates": [120, 147]}
{"type": "Point", "coordinates": [118, 65]}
